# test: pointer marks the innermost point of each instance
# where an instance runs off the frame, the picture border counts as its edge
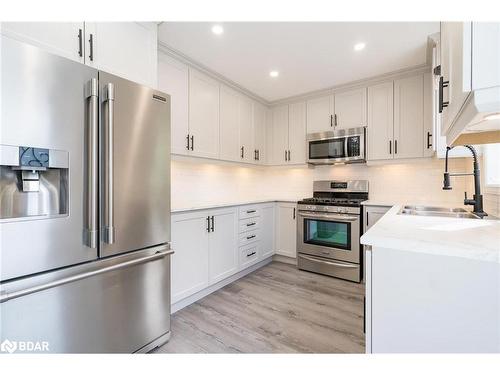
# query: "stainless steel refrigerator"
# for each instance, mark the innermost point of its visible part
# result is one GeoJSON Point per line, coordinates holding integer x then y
{"type": "Point", "coordinates": [84, 206]}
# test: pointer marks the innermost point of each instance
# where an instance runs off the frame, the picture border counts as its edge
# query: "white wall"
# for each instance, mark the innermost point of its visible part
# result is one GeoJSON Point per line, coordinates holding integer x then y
{"type": "Point", "coordinates": [200, 182]}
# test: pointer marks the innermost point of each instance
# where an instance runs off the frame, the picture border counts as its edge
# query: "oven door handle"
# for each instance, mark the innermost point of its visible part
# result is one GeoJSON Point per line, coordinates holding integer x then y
{"type": "Point", "coordinates": [334, 217]}
{"type": "Point", "coordinates": [343, 265]}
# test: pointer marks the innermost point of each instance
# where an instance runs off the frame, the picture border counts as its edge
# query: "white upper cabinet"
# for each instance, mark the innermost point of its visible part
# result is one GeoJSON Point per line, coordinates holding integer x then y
{"type": "Point", "coordinates": [456, 56]}
{"type": "Point", "coordinates": [61, 38]}
{"type": "Point", "coordinates": [173, 80]}
{"type": "Point", "coordinates": [297, 133]}
{"type": "Point", "coordinates": [203, 115]}
{"type": "Point", "coordinates": [409, 117]}
{"type": "Point", "coordinates": [429, 130]}
{"type": "Point", "coordinates": [247, 150]}
{"type": "Point", "coordinates": [380, 121]}
{"type": "Point", "coordinates": [350, 109]}
{"type": "Point", "coordinates": [320, 114]}
{"type": "Point", "coordinates": [126, 49]}
{"type": "Point", "coordinates": [259, 127]}
{"type": "Point", "coordinates": [223, 244]}
{"type": "Point", "coordinates": [229, 124]}
{"type": "Point", "coordinates": [280, 134]}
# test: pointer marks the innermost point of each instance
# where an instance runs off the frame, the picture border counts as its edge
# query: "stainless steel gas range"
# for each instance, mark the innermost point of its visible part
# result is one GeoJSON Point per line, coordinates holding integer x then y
{"type": "Point", "coordinates": [328, 229]}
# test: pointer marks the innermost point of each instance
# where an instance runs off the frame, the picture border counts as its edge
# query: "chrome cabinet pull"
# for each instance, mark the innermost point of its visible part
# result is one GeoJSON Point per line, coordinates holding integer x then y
{"type": "Point", "coordinates": [80, 42]}
{"type": "Point", "coordinates": [91, 49]}
{"type": "Point", "coordinates": [327, 262]}
{"type": "Point", "coordinates": [90, 231]}
{"type": "Point", "coordinates": [108, 102]}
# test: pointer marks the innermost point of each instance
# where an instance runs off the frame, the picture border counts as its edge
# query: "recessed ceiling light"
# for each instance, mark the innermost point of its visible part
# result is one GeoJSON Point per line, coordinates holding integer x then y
{"type": "Point", "coordinates": [274, 73]}
{"type": "Point", "coordinates": [217, 29]}
{"type": "Point", "coordinates": [359, 46]}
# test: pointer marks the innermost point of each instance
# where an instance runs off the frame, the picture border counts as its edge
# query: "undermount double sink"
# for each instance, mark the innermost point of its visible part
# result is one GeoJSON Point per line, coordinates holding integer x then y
{"type": "Point", "coordinates": [458, 213]}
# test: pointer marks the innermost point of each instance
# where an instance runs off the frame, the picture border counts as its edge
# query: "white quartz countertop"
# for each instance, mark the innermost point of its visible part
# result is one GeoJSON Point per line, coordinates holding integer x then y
{"type": "Point", "coordinates": [468, 238]}
{"type": "Point", "coordinates": [230, 204]}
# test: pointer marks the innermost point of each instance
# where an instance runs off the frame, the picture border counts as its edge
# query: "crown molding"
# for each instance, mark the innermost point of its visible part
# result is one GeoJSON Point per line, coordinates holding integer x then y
{"type": "Point", "coordinates": [422, 68]}
{"type": "Point", "coordinates": [166, 49]}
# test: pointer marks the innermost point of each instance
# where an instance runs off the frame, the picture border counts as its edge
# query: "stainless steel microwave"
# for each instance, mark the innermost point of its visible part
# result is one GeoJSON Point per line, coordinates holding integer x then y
{"type": "Point", "coordinates": [338, 146]}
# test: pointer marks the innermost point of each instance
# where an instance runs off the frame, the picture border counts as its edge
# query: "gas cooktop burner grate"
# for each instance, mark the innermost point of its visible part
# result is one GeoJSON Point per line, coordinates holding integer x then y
{"type": "Point", "coordinates": [333, 201]}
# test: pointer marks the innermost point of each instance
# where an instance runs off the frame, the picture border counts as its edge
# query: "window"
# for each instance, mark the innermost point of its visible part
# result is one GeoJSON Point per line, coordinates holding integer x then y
{"type": "Point", "coordinates": [492, 165]}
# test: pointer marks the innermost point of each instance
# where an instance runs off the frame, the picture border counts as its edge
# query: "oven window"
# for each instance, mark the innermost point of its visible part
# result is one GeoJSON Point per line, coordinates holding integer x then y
{"type": "Point", "coordinates": [327, 233]}
{"type": "Point", "coordinates": [327, 149]}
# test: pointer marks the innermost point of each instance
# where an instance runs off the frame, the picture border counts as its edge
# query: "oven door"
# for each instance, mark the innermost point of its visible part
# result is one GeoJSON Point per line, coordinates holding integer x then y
{"type": "Point", "coordinates": [334, 236]}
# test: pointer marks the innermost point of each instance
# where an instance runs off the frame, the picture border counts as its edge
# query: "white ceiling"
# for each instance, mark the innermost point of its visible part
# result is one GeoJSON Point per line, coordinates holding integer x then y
{"type": "Point", "coordinates": [309, 56]}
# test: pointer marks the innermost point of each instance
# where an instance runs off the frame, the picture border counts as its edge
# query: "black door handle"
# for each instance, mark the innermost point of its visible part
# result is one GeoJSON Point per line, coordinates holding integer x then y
{"type": "Point", "coordinates": [192, 142]}
{"type": "Point", "coordinates": [250, 237]}
{"type": "Point", "coordinates": [442, 85]}
{"type": "Point", "coordinates": [429, 144]}
{"type": "Point", "coordinates": [187, 141]}
{"type": "Point", "coordinates": [80, 43]}
{"type": "Point", "coordinates": [294, 213]}
{"type": "Point", "coordinates": [395, 146]}
{"type": "Point", "coordinates": [390, 147]}
{"type": "Point", "coordinates": [252, 253]}
{"type": "Point", "coordinates": [91, 51]}
{"type": "Point", "coordinates": [208, 224]}
{"type": "Point", "coordinates": [242, 151]}
{"type": "Point", "coordinates": [213, 224]}
{"type": "Point", "coordinates": [335, 122]}
{"type": "Point", "coordinates": [331, 120]}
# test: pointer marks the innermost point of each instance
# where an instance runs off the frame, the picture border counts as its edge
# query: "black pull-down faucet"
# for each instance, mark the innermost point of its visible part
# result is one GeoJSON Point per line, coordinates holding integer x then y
{"type": "Point", "coordinates": [477, 200]}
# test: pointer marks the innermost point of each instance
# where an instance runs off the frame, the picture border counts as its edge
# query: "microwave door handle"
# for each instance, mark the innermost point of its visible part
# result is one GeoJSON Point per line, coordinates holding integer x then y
{"type": "Point", "coordinates": [346, 154]}
{"type": "Point", "coordinates": [109, 99]}
{"type": "Point", "coordinates": [90, 232]}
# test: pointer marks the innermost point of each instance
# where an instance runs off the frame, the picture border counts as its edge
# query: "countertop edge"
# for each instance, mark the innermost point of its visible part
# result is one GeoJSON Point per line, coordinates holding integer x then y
{"type": "Point", "coordinates": [231, 204]}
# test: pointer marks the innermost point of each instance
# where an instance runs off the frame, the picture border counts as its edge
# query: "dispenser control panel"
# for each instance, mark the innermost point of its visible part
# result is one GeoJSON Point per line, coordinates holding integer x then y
{"type": "Point", "coordinates": [33, 157]}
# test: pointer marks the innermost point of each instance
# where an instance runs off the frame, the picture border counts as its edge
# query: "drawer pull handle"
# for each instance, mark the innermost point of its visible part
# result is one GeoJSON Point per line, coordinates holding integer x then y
{"type": "Point", "coordinates": [250, 224]}
{"type": "Point", "coordinates": [250, 237]}
{"type": "Point", "coordinates": [250, 211]}
{"type": "Point", "coordinates": [252, 253]}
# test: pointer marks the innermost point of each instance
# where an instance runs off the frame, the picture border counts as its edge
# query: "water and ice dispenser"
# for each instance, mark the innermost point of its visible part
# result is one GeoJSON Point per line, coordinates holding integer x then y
{"type": "Point", "coordinates": [33, 182]}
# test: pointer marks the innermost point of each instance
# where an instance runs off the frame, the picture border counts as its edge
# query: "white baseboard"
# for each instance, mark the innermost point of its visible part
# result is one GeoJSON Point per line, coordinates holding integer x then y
{"type": "Point", "coordinates": [212, 288]}
{"type": "Point", "coordinates": [284, 259]}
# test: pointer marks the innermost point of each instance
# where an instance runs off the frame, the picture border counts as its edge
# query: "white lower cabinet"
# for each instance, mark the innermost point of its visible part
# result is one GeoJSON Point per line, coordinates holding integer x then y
{"type": "Point", "coordinates": [222, 240]}
{"type": "Point", "coordinates": [190, 261]}
{"type": "Point", "coordinates": [212, 245]}
{"type": "Point", "coordinates": [286, 229]}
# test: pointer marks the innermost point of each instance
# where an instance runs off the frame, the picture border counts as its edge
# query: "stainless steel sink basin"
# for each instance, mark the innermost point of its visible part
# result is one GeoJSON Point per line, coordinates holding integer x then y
{"type": "Point", "coordinates": [458, 213]}
{"type": "Point", "coordinates": [433, 209]}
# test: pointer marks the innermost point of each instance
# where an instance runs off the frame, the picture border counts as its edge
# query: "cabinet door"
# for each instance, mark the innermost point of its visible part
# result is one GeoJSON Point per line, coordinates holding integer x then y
{"type": "Point", "coordinates": [267, 230]}
{"type": "Point", "coordinates": [380, 121]}
{"type": "Point", "coordinates": [125, 49]}
{"type": "Point", "coordinates": [173, 80]}
{"type": "Point", "coordinates": [269, 137]}
{"type": "Point", "coordinates": [350, 109]}
{"type": "Point", "coordinates": [60, 38]}
{"type": "Point", "coordinates": [280, 134]}
{"type": "Point", "coordinates": [259, 128]}
{"type": "Point", "coordinates": [286, 229]}
{"type": "Point", "coordinates": [203, 115]}
{"type": "Point", "coordinates": [373, 214]}
{"type": "Point", "coordinates": [428, 135]}
{"type": "Point", "coordinates": [297, 133]}
{"type": "Point", "coordinates": [190, 261]}
{"type": "Point", "coordinates": [246, 130]}
{"type": "Point", "coordinates": [229, 129]}
{"type": "Point", "coordinates": [456, 56]}
{"type": "Point", "coordinates": [409, 117]}
{"type": "Point", "coordinates": [319, 114]}
{"type": "Point", "coordinates": [223, 244]}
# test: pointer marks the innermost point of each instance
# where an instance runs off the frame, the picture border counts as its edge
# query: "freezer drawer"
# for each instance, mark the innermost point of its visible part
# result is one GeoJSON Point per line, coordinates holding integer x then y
{"type": "Point", "coordinates": [120, 305]}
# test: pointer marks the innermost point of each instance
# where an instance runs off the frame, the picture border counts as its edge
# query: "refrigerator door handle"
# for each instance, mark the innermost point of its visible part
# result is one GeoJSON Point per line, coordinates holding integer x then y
{"type": "Point", "coordinates": [108, 101]}
{"type": "Point", "coordinates": [90, 232]}
{"type": "Point", "coordinates": [66, 280]}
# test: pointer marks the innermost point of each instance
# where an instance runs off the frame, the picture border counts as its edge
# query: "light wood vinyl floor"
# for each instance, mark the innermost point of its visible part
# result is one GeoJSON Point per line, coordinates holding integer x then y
{"type": "Point", "coordinates": [276, 309]}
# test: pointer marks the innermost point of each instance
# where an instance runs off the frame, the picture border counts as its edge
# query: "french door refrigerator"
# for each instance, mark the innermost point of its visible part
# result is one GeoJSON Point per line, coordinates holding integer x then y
{"type": "Point", "coordinates": [84, 206]}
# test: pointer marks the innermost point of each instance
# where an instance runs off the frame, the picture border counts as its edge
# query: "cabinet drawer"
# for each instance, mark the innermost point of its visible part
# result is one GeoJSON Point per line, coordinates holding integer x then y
{"type": "Point", "coordinates": [246, 225]}
{"type": "Point", "coordinates": [249, 255]}
{"type": "Point", "coordinates": [249, 237]}
{"type": "Point", "coordinates": [249, 211]}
